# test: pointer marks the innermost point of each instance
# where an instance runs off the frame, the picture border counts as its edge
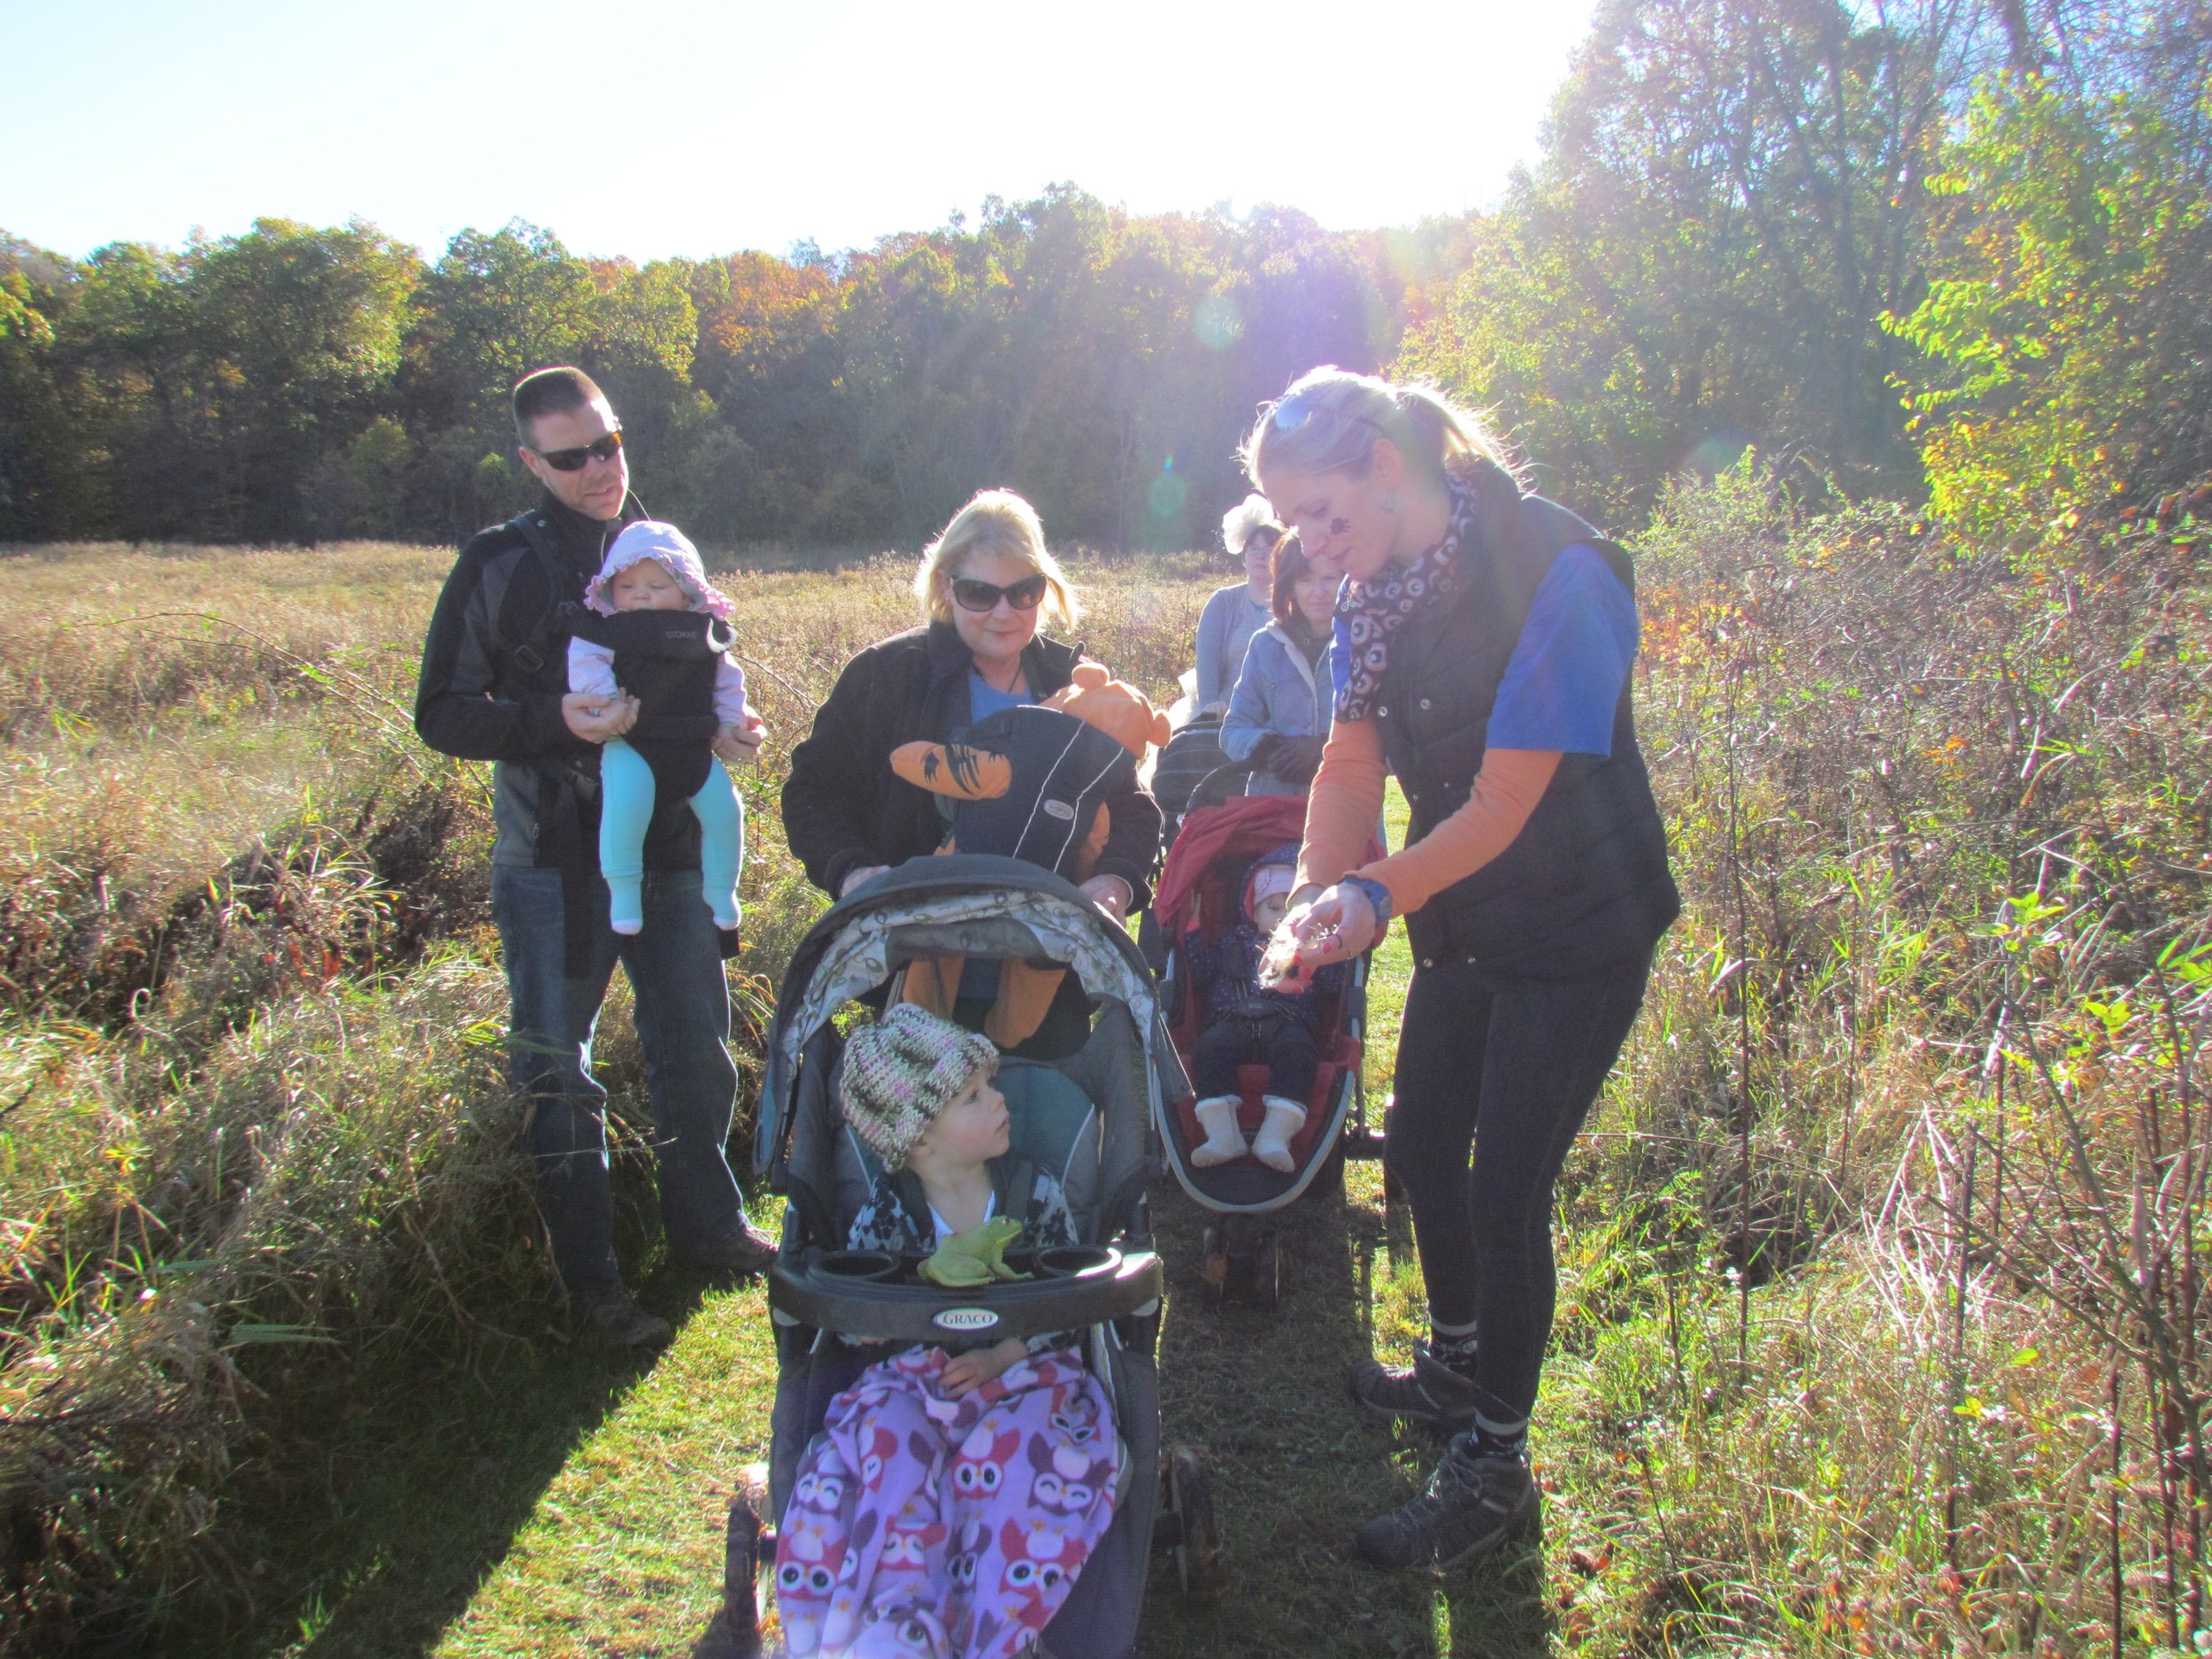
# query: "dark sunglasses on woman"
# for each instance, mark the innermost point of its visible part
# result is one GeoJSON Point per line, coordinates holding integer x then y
{"type": "Point", "coordinates": [971, 594]}
{"type": "Point", "coordinates": [572, 460]}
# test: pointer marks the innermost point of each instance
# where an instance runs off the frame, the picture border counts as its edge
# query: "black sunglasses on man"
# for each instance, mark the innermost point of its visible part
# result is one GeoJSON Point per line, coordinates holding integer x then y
{"type": "Point", "coordinates": [602, 449]}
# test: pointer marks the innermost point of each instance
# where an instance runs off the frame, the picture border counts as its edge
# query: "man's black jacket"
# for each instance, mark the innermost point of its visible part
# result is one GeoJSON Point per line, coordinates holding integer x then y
{"type": "Point", "coordinates": [477, 701]}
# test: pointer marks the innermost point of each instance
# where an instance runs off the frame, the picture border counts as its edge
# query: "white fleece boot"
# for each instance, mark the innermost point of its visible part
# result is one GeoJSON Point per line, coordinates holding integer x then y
{"type": "Point", "coordinates": [1225, 1141]}
{"type": "Point", "coordinates": [1272, 1145]}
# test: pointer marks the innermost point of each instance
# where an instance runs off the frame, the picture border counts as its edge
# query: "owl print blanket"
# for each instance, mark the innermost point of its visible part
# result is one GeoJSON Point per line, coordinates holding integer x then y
{"type": "Point", "coordinates": [928, 1528]}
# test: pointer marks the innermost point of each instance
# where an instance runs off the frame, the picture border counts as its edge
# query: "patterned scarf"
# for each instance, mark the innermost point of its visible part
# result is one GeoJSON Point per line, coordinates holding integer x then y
{"type": "Point", "coordinates": [1369, 613]}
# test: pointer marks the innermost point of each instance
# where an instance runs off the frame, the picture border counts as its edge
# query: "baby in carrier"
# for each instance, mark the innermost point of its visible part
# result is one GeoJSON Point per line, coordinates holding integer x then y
{"type": "Point", "coordinates": [653, 626]}
{"type": "Point", "coordinates": [951, 1499]}
{"type": "Point", "coordinates": [1245, 1025]}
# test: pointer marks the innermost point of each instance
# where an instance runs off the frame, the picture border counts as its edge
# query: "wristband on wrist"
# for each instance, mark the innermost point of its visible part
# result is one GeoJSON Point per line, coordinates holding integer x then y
{"type": "Point", "coordinates": [1376, 894]}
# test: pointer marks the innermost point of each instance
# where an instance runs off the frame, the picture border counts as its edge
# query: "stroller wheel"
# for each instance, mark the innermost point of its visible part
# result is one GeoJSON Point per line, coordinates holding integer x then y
{"type": "Point", "coordinates": [1328, 1180]}
{"type": "Point", "coordinates": [1198, 1564]}
{"type": "Point", "coordinates": [1213, 1267]}
{"type": "Point", "coordinates": [1267, 1270]}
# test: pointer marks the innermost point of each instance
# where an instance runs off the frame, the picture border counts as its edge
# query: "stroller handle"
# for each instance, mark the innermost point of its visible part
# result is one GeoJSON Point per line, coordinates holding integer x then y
{"type": "Point", "coordinates": [877, 1312]}
{"type": "Point", "coordinates": [1220, 785]}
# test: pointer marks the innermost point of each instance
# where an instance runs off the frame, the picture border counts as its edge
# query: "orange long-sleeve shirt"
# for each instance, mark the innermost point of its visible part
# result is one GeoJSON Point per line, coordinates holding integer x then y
{"type": "Point", "coordinates": [1347, 797]}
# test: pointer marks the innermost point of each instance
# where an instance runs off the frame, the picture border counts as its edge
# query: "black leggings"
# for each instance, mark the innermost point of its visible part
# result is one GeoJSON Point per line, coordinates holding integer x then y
{"type": "Point", "coordinates": [1512, 1067]}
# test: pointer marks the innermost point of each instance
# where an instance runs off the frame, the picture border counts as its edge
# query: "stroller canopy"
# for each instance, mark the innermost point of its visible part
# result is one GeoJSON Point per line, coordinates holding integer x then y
{"type": "Point", "coordinates": [964, 904]}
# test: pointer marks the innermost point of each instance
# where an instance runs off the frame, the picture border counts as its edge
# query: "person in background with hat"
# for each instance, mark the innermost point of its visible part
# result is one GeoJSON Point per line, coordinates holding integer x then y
{"type": "Point", "coordinates": [1483, 640]}
{"type": "Point", "coordinates": [1233, 614]}
{"type": "Point", "coordinates": [493, 688]}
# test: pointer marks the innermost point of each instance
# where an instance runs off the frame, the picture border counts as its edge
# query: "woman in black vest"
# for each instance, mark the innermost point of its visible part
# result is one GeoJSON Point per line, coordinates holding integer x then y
{"type": "Point", "coordinates": [1483, 638]}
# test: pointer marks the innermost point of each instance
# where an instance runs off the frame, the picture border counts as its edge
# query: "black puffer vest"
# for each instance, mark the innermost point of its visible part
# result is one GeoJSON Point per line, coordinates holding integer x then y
{"type": "Point", "coordinates": [667, 660]}
{"type": "Point", "coordinates": [1585, 887]}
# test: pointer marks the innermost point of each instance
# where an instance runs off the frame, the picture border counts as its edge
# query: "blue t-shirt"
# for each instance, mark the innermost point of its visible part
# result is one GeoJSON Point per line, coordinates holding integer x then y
{"type": "Point", "coordinates": [986, 699]}
{"type": "Point", "coordinates": [1564, 677]}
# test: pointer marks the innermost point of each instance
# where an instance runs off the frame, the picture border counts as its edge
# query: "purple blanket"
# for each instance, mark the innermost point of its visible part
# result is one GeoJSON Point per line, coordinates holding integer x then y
{"type": "Point", "coordinates": [952, 1528]}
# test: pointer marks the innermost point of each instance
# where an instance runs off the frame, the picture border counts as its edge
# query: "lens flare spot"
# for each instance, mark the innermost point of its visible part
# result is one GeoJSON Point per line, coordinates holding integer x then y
{"type": "Point", "coordinates": [1715, 454]}
{"type": "Point", "coordinates": [1216, 322]}
{"type": "Point", "coordinates": [1168, 492]}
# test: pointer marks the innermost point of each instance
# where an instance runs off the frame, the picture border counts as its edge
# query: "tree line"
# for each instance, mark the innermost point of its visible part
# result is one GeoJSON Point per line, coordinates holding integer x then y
{"type": "Point", "coordinates": [1957, 248]}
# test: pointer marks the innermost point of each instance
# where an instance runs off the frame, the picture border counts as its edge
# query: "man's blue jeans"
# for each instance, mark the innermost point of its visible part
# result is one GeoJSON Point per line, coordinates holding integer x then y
{"type": "Point", "coordinates": [683, 1025]}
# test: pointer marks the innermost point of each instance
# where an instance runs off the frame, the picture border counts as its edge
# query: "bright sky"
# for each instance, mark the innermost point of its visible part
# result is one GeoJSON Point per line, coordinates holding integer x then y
{"type": "Point", "coordinates": [686, 127]}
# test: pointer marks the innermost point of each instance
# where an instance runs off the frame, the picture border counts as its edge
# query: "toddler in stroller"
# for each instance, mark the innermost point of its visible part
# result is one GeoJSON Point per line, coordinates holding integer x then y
{"type": "Point", "coordinates": [951, 1499]}
{"type": "Point", "coordinates": [1082, 1119]}
{"type": "Point", "coordinates": [1245, 1025]}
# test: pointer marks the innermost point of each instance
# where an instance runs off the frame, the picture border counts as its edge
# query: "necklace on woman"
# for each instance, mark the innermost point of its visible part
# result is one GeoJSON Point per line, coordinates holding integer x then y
{"type": "Point", "coordinates": [1014, 682]}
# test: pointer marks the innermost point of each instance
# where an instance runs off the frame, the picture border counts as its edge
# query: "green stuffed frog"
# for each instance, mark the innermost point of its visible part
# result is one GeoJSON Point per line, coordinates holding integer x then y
{"type": "Point", "coordinates": [977, 1256]}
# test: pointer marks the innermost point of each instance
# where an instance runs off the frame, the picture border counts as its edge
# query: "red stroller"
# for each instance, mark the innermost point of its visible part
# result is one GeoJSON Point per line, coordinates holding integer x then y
{"type": "Point", "coordinates": [1200, 892]}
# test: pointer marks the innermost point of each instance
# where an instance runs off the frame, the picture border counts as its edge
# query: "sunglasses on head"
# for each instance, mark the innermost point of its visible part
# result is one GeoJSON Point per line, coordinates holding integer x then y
{"type": "Point", "coordinates": [971, 594]}
{"type": "Point", "coordinates": [604, 448]}
{"type": "Point", "coordinates": [1291, 412]}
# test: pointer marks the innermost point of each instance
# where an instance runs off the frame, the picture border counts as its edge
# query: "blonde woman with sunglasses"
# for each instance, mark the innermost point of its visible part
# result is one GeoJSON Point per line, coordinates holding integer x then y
{"type": "Point", "coordinates": [985, 585]}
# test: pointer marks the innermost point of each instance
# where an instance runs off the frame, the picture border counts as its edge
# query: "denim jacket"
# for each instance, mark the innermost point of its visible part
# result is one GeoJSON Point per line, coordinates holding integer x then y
{"type": "Point", "coordinates": [1275, 693]}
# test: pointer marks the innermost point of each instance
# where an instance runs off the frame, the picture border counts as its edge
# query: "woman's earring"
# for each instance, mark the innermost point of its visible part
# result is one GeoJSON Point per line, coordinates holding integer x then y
{"type": "Point", "coordinates": [1390, 504]}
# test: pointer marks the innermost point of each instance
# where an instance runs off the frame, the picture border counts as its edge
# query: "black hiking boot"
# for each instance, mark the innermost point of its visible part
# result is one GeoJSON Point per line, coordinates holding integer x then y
{"type": "Point", "coordinates": [1470, 1504]}
{"type": "Point", "coordinates": [1427, 1391]}
{"type": "Point", "coordinates": [613, 1317]}
{"type": "Point", "coordinates": [744, 1249]}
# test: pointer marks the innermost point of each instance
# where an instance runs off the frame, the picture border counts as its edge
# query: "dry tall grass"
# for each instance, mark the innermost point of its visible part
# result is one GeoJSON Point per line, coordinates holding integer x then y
{"type": "Point", "coordinates": [244, 1125]}
{"type": "Point", "coordinates": [1881, 1320]}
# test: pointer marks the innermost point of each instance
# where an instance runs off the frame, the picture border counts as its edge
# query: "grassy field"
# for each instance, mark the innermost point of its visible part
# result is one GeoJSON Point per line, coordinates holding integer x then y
{"type": "Point", "coordinates": [1878, 1324]}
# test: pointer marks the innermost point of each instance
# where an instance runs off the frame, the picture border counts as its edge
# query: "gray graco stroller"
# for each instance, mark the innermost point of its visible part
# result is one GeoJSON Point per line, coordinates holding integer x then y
{"type": "Point", "coordinates": [1085, 1117]}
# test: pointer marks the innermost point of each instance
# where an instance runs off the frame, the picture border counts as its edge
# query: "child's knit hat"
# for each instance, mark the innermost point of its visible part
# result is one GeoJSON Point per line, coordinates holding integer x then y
{"type": "Point", "coordinates": [903, 1069]}
{"type": "Point", "coordinates": [650, 539]}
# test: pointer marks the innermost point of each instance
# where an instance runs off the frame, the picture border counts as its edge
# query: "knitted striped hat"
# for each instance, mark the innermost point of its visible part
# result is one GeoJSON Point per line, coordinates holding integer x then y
{"type": "Point", "coordinates": [903, 1069]}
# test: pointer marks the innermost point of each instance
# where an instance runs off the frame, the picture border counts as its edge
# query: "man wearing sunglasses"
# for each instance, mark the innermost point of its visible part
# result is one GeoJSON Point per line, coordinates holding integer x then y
{"type": "Point", "coordinates": [493, 687]}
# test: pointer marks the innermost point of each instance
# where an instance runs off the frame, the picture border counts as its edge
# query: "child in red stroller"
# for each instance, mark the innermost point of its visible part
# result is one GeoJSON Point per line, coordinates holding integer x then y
{"type": "Point", "coordinates": [1244, 1024]}
{"type": "Point", "coordinates": [1301, 1137]}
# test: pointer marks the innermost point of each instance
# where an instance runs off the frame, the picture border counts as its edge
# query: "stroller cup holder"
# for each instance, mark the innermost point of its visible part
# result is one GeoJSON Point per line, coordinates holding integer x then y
{"type": "Point", "coordinates": [860, 1266]}
{"type": "Point", "coordinates": [871, 1295]}
{"type": "Point", "coordinates": [1076, 1261]}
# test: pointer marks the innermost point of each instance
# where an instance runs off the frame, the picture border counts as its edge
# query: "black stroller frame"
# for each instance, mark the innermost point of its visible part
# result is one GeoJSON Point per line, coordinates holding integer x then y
{"type": "Point", "coordinates": [1086, 1118]}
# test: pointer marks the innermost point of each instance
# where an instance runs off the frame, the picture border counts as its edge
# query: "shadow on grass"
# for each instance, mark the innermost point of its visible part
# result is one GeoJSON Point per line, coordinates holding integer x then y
{"type": "Point", "coordinates": [378, 1499]}
{"type": "Point", "coordinates": [1294, 1464]}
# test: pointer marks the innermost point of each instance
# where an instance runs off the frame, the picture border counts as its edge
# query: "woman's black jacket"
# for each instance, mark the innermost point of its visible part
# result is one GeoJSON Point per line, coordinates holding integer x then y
{"type": "Point", "coordinates": [843, 807]}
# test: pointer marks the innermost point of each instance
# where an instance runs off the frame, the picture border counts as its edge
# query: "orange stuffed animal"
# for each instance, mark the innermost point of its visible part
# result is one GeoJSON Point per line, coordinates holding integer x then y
{"type": "Point", "coordinates": [1114, 706]}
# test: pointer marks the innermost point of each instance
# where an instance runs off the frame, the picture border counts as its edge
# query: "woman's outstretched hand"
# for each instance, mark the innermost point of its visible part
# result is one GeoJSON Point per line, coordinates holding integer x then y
{"type": "Point", "coordinates": [1336, 927]}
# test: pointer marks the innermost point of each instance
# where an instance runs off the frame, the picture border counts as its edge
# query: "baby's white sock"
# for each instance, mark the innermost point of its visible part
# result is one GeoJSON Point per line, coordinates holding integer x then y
{"type": "Point", "coordinates": [1272, 1145]}
{"type": "Point", "coordinates": [1225, 1141]}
